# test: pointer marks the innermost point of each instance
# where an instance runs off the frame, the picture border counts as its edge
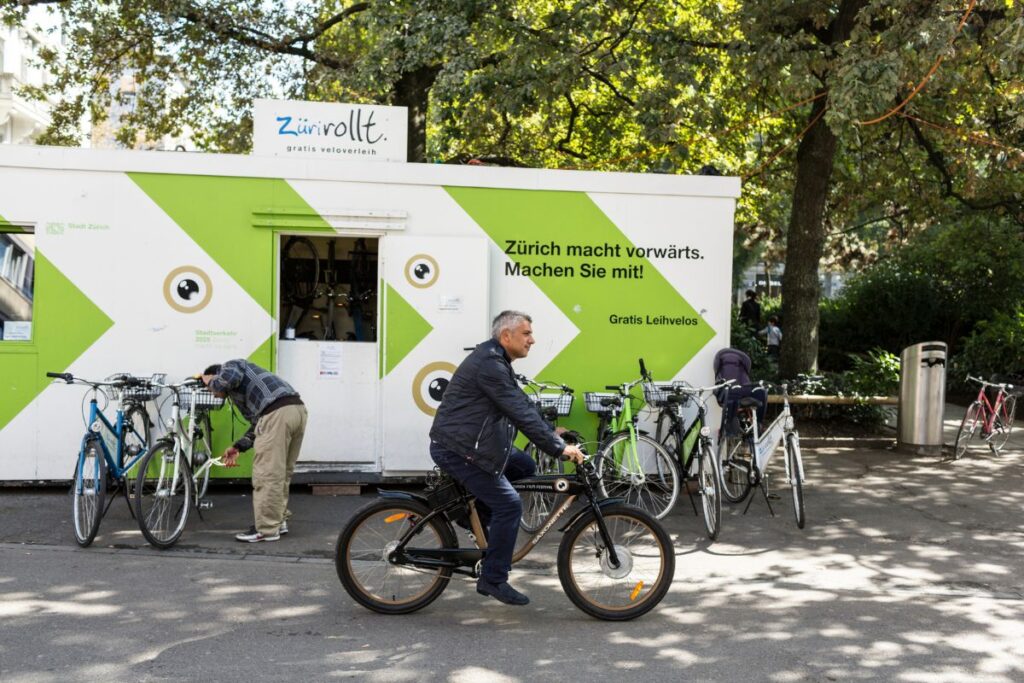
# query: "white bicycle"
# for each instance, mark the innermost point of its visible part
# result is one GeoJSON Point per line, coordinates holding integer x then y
{"type": "Point", "coordinates": [175, 475]}
{"type": "Point", "coordinates": [745, 451]}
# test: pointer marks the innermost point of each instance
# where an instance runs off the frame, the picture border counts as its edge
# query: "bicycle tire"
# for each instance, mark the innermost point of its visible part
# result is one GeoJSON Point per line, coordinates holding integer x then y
{"type": "Point", "coordinates": [204, 443]}
{"type": "Point", "coordinates": [163, 495]}
{"type": "Point", "coordinates": [1002, 424]}
{"type": "Point", "coordinates": [361, 554]}
{"type": "Point", "coordinates": [298, 255]}
{"type": "Point", "coordinates": [735, 460]}
{"type": "Point", "coordinates": [665, 434]}
{"type": "Point", "coordinates": [968, 428]}
{"type": "Point", "coordinates": [637, 585]}
{"type": "Point", "coordinates": [796, 482]}
{"type": "Point", "coordinates": [537, 506]}
{"type": "Point", "coordinates": [88, 492]}
{"type": "Point", "coordinates": [710, 478]}
{"type": "Point", "coordinates": [646, 478]}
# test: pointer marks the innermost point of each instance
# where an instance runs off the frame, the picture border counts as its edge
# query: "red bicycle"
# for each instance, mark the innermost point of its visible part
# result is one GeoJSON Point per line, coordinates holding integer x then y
{"type": "Point", "coordinates": [989, 420]}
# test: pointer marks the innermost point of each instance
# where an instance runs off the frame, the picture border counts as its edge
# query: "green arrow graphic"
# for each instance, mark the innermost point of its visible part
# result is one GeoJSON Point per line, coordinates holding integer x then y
{"type": "Point", "coordinates": [221, 215]}
{"type": "Point", "coordinates": [405, 328]}
{"type": "Point", "coordinates": [624, 308]}
{"type": "Point", "coordinates": [65, 323]}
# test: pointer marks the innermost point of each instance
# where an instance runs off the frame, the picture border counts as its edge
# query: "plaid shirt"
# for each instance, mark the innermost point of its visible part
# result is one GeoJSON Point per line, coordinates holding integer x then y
{"type": "Point", "coordinates": [252, 389]}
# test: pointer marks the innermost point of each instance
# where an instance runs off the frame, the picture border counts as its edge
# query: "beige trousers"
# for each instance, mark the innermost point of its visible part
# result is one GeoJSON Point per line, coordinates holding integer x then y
{"type": "Point", "coordinates": [278, 439]}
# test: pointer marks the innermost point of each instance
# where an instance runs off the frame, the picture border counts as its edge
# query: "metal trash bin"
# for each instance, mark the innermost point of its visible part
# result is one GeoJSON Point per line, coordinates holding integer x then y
{"type": "Point", "coordinates": [922, 398]}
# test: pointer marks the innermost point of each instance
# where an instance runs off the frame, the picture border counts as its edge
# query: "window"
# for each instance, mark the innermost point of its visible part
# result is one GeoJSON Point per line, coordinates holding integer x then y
{"type": "Point", "coordinates": [17, 282]}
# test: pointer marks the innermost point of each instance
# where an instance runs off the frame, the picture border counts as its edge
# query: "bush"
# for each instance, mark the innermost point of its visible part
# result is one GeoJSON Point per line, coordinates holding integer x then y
{"type": "Point", "coordinates": [995, 347]}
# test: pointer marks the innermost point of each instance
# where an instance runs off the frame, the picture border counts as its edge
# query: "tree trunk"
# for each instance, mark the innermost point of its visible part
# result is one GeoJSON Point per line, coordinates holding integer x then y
{"type": "Point", "coordinates": [805, 243]}
{"type": "Point", "coordinates": [413, 91]}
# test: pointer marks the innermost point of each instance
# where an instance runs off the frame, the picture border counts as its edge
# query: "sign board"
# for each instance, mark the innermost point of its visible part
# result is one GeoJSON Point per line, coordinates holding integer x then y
{"type": "Point", "coordinates": [356, 132]}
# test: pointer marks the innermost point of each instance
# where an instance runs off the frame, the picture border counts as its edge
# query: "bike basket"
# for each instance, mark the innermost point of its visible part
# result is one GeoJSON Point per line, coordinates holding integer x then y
{"type": "Point", "coordinates": [593, 401]}
{"type": "Point", "coordinates": [562, 403]}
{"type": "Point", "coordinates": [443, 493]}
{"type": "Point", "coordinates": [203, 398]}
{"type": "Point", "coordinates": [657, 393]}
{"type": "Point", "coordinates": [144, 393]}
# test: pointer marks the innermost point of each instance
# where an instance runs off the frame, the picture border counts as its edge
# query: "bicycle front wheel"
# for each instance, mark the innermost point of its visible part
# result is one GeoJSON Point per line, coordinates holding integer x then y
{"type": "Point", "coordinates": [89, 492]}
{"type": "Point", "coordinates": [633, 586]}
{"type": "Point", "coordinates": [968, 428]}
{"type": "Point", "coordinates": [537, 506]}
{"type": "Point", "coordinates": [735, 459]}
{"type": "Point", "coordinates": [1002, 424]}
{"type": "Point", "coordinates": [364, 545]}
{"type": "Point", "coordinates": [710, 478]}
{"type": "Point", "coordinates": [642, 473]}
{"type": "Point", "coordinates": [163, 495]}
{"type": "Point", "coordinates": [796, 478]}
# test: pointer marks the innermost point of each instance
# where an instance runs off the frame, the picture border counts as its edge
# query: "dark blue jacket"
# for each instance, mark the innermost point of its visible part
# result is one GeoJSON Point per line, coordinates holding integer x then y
{"type": "Point", "coordinates": [481, 409]}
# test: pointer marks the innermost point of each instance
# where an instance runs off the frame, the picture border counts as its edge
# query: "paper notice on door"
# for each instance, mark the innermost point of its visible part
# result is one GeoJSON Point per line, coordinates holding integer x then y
{"type": "Point", "coordinates": [330, 361]}
{"type": "Point", "coordinates": [450, 303]}
{"type": "Point", "coordinates": [15, 330]}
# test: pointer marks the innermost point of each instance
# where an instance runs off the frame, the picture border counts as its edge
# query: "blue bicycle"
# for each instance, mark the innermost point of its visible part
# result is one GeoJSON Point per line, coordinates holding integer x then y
{"type": "Point", "coordinates": [109, 451]}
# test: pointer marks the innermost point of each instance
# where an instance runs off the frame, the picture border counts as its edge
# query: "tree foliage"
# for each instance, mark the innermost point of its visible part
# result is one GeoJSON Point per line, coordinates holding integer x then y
{"type": "Point", "coordinates": [856, 124]}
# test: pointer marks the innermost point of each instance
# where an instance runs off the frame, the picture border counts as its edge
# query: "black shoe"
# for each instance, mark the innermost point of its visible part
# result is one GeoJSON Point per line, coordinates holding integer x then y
{"type": "Point", "coordinates": [502, 592]}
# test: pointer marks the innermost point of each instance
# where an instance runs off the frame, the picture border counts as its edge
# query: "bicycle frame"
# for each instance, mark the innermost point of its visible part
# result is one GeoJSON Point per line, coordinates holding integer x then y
{"type": "Point", "coordinates": [97, 422]}
{"type": "Point", "coordinates": [992, 408]}
{"type": "Point", "coordinates": [465, 560]}
{"type": "Point", "coordinates": [766, 443]}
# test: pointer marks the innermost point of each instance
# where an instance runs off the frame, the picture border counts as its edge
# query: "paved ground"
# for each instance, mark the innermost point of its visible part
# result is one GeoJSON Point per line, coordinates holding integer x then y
{"type": "Point", "coordinates": [909, 570]}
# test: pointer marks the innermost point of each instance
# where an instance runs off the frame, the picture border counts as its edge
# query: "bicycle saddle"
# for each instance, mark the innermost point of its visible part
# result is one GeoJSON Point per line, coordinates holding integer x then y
{"type": "Point", "coordinates": [749, 402]}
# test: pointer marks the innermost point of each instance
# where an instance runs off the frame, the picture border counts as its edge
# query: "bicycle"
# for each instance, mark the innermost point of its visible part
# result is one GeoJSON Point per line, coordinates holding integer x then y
{"type": "Point", "coordinates": [632, 464]}
{"type": "Point", "coordinates": [176, 470]}
{"type": "Point", "coordinates": [552, 401]}
{"type": "Point", "coordinates": [615, 562]}
{"type": "Point", "coordinates": [690, 444]}
{"type": "Point", "coordinates": [108, 452]}
{"type": "Point", "coordinates": [994, 417]}
{"type": "Point", "coordinates": [745, 451]}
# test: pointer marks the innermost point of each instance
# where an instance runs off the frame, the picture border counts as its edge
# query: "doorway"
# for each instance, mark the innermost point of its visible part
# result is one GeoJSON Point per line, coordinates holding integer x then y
{"type": "Point", "coordinates": [328, 344]}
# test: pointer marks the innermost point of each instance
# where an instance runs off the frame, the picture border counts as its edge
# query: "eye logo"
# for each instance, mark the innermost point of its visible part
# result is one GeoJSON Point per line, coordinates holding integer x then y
{"type": "Point", "coordinates": [421, 271]}
{"type": "Point", "coordinates": [429, 385]}
{"type": "Point", "coordinates": [187, 289]}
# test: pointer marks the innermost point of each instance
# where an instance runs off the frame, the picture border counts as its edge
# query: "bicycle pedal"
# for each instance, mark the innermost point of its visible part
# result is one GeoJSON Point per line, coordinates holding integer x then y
{"type": "Point", "coordinates": [205, 504]}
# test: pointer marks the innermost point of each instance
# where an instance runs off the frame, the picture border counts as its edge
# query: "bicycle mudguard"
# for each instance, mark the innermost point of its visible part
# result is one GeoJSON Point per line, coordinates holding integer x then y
{"type": "Point", "coordinates": [602, 504]}
{"type": "Point", "coordinates": [404, 495]}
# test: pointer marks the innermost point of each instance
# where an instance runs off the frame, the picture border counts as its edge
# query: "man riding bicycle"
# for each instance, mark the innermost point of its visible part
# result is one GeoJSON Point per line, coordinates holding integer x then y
{"type": "Point", "coordinates": [471, 439]}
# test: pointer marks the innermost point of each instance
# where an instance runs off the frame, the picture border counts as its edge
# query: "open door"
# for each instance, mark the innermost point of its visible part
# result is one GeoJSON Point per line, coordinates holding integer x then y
{"type": "Point", "coordinates": [435, 306]}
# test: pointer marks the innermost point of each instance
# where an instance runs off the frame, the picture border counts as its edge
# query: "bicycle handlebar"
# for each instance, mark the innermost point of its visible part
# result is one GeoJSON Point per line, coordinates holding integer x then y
{"type": "Point", "coordinates": [526, 381]}
{"type": "Point", "coordinates": [985, 383]}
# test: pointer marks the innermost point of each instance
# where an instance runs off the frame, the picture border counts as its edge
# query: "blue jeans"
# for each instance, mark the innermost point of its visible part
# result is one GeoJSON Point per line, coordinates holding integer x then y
{"type": "Point", "coordinates": [497, 503]}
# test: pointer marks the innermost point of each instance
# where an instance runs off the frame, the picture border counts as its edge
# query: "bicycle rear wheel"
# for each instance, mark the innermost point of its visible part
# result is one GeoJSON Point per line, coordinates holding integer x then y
{"type": "Point", "coordinates": [710, 478]}
{"type": "Point", "coordinates": [89, 492]}
{"type": "Point", "coordinates": [1002, 424]}
{"type": "Point", "coordinates": [796, 478]}
{"type": "Point", "coordinates": [370, 578]}
{"type": "Point", "coordinates": [537, 506]}
{"type": "Point", "coordinates": [163, 495]}
{"type": "Point", "coordinates": [643, 474]}
{"type": "Point", "coordinates": [735, 458]}
{"type": "Point", "coordinates": [968, 428]}
{"type": "Point", "coordinates": [633, 587]}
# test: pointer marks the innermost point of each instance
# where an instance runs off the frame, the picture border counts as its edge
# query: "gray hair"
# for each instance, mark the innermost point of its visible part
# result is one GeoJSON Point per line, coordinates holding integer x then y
{"type": "Point", "coordinates": [506, 320]}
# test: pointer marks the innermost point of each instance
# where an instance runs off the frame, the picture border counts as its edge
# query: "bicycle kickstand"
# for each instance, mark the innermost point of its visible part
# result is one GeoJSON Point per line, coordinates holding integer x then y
{"type": "Point", "coordinates": [764, 492]}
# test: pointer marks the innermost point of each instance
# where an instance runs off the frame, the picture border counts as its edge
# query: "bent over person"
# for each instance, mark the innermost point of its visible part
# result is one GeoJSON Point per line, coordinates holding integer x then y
{"type": "Point", "coordinates": [277, 421]}
{"type": "Point", "coordinates": [471, 439]}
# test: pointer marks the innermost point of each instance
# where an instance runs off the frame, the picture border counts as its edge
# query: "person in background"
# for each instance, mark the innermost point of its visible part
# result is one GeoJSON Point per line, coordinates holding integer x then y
{"type": "Point", "coordinates": [773, 334]}
{"type": "Point", "coordinates": [277, 422]}
{"type": "Point", "coordinates": [750, 311]}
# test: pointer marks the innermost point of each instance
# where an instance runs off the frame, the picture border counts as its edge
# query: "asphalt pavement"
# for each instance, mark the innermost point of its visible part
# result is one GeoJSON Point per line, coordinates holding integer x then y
{"type": "Point", "coordinates": [909, 570]}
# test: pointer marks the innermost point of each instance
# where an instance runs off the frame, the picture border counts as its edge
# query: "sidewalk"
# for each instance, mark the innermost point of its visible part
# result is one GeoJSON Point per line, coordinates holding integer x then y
{"type": "Point", "coordinates": [908, 569]}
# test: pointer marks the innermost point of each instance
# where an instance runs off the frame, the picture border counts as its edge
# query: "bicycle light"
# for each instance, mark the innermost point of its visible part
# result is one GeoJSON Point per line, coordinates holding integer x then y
{"type": "Point", "coordinates": [169, 423]}
{"type": "Point", "coordinates": [96, 426]}
{"type": "Point", "coordinates": [705, 431]}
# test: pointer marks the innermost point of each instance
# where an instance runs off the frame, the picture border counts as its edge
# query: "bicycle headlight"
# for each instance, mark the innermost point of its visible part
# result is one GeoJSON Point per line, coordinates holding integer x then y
{"type": "Point", "coordinates": [789, 422]}
{"type": "Point", "coordinates": [169, 423]}
{"type": "Point", "coordinates": [96, 426]}
{"type": "Point", "coordinates": [705, 431]}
